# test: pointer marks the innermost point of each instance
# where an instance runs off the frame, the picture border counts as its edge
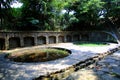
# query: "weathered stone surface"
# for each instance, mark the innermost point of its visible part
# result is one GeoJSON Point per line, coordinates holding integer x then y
{"type": "Point", "coordinates": [22, 71]}
{"type": "Point", "coordinates": [106, 69]}
{"type": "Point", "coordinates": [33, 38]}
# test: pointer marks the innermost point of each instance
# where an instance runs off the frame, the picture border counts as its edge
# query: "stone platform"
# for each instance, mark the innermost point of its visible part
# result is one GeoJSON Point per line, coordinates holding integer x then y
{"type": "Point", "coordinates": [106, 69]}
{"type": "Point", "coordinates": [57, 69]}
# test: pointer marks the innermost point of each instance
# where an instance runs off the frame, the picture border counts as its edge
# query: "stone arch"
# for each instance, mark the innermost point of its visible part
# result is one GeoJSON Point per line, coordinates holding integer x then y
{"type": "Point", "coordinates": [76, 37]}
{"type": "Point", "coordinates": [109, 37]}
{"type": "Point", "coordinates": [68, 38]}
{"type": "Point", "coordinates": [97, 36]}
{"type": "Point", "coordinates": [41, 40]}
{"type": "Point", "coordinates": [102, 37]}
{"type": "Point", "coordinates": [84, 37]}
{"type": "Point", "coordinates": [14, 42]}
{"type": "Point", "coordinates": [2, 44]}
{"type": "Point", "coordinates": [28, 41]}
{"type": "Point", "coordinates": [60, 39]}
{"type": "Point", "coordinates": [52, 39]}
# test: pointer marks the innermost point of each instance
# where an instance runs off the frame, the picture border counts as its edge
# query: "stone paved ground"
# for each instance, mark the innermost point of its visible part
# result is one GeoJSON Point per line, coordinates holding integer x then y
{"type": "Point", "coordinates": [106, 69]}
{"type": "Point", "coordinates": [27, 71]}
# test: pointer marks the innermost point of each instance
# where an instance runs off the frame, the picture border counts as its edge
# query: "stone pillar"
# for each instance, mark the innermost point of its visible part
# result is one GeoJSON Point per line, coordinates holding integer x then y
{"type": "Point", "coordinates": [21, 41]}
{"type": "Point", "coordinates": [65, 38]}
{"type": "Point", "coordinates": [57, 39]}
{"type": "Point", "coordinates": [35, 41]}
{"type": "Point", "coordinates": [79, 37]}
{"type": "Point", "coordinates": [47, 40]}
{"type": "Point", "coordinates": [72, 38]}
{"type": "Point", "coordinates": [6, 43]}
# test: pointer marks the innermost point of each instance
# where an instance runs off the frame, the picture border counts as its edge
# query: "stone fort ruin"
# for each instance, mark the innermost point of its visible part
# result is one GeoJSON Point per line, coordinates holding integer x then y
{"type": "Point", "coordinates": [14, 39]}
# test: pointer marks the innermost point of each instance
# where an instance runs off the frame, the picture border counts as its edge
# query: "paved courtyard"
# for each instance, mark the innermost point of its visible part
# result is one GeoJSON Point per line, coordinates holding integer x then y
{"type": "Point", "coordinates": [10, 70]}
{"type": "Point", "coordinates": [106, 69]}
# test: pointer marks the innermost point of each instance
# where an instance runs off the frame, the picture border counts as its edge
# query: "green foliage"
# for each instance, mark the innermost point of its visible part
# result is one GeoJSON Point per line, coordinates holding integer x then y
{"type": "Point", "coordinates": [52, 51]}
{"type": "Point", "coordinates": [112, 8]}
{"type": "Point", "coordinates": [16, 12]}
{"type": "Point", "coordinates": [5, 12]}
{"type": "Point", "coordinates": [73, 20]}
{"type": "Point", "coordinates": [47, 14]}
{"type": "Point", "coordinates": [86, 11]}
{"type": "Point", "coordinates": [91, 44]}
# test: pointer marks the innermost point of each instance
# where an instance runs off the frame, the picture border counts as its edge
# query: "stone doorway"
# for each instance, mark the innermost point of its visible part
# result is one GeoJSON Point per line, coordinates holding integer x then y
{"type": "Point", "coordinates": [14, 42]}
{"type": "Point", "coordinates": [2, 44]}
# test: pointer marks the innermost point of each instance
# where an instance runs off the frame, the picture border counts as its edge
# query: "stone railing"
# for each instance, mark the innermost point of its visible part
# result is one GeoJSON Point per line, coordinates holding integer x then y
{"type": "Point", "coordinates": [14, 39]}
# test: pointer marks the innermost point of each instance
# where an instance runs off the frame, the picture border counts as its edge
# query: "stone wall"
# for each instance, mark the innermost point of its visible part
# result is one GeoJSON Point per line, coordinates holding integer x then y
{"type": "Point", "coordinates": [14, 39]}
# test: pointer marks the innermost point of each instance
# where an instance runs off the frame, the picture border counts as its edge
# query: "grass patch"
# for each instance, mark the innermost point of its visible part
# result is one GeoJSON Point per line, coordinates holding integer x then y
{"type": "Point", "coordinates": [37, 55]}
{"type": "Point", "coordinates": [90, 44]}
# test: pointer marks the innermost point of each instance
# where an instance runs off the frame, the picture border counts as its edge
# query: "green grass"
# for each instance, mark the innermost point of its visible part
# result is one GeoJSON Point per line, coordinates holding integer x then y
{"type": "Point", "coordinates": [90, 44]}
{"type": "Point", "coordinates": [37, 55]}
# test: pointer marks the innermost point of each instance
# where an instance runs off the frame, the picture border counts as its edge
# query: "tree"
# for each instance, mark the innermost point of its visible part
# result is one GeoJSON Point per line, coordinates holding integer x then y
{"type": "Point", "coordinates": [47, 12]}
{"type": "Point", "coordinates": [112, 8]}
{"type": "Point", "coordinates": [112, 16]}
{"type": "Point", "coordinates": [87, 12]}
{"type": "Point", "coordinates": [62, 20]}
{"type": "Point", "coordinates": [5, 12]}
{"type": "Point", "coordinates": [48, 15]}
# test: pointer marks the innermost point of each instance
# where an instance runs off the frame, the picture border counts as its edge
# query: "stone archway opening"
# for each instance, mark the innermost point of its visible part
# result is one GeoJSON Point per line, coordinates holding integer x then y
{"type": "Point", "coordinates": [52, 39]}
{"type": "Point", "coordinates": [85, 37]}
{"type": "Point", "coordinates": [76, 37]}
{"type": "Point", "coordinates": [28, 41]}
{"type": "Point", "coordinates": [61, 39]}
{"type": "Point", "coordinates": [14, 42]}
{"type": "Point", "coordinates": [2, 44]}
{"type": "Point", "coordinates": [41, 40]}
{"type": "Point", "coordinates": [69, 38]}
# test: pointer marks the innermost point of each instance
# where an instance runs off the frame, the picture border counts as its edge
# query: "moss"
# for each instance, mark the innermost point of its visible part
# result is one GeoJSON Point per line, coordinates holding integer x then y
{"type": "Point", "coordinates": [91, 44]}
{"type": "Point", "coordinates": [37, 55]}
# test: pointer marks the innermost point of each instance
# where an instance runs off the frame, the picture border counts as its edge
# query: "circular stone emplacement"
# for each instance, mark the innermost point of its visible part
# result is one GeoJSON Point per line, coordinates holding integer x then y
{"type": "Point", "coordinates": [38, 55]}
